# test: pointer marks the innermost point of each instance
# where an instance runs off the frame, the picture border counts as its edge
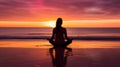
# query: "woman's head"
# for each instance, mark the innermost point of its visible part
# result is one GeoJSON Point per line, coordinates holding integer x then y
{"type": "Point", "coordinates": [59, 22]}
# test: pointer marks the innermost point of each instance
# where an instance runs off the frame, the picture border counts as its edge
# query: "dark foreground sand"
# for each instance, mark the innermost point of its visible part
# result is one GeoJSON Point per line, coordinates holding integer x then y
{"type": "Point", "coordinates": [40, 57]}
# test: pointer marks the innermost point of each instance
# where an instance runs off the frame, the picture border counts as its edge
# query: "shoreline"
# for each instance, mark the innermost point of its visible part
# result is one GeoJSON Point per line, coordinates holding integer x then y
{"type": "Point", "coordinates": [72, 37]}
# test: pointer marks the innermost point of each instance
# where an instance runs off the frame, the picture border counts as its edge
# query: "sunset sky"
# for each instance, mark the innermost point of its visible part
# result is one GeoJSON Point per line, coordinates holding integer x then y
{"type": "Point", "coordinates": [75, 13]}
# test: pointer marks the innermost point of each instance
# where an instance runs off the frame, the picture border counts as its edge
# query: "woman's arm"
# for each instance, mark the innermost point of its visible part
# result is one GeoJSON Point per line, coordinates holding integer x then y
{"type": "Point", "coordinates": [53, 34]}
{"type": "Point", "coordinates": [66, 34]}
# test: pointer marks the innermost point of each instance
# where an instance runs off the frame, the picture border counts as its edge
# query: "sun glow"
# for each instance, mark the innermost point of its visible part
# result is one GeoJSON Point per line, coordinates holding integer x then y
{"type": "Point", "coordinates": [50, 24]}
{"type": "Point", "coordinates": [66, 23]}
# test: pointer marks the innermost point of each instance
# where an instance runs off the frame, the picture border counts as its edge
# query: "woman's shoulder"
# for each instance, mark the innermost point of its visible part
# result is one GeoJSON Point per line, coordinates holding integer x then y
{"type": "Point", "coordinates": [63, 28]}
{"type": "Point", "coordinates": [60, 28]}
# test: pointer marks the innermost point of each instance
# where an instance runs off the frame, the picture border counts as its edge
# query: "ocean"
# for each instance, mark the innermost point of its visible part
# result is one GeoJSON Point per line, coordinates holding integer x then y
{"type": "Point", "coordinates": [75, 33]}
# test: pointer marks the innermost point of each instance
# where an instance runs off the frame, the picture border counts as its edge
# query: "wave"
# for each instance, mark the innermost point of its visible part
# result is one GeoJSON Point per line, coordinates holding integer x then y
{"type": "Point", "coordinates": [71, 37]}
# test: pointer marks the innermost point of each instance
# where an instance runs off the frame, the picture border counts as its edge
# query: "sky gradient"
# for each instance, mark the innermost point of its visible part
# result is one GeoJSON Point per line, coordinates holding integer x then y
{"type": "Point", "coordinates": [43, 13]}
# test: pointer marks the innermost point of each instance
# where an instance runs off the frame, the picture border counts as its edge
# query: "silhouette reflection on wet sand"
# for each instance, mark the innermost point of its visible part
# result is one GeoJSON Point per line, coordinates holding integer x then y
{"type": "Point", "coordinates": [59, 56]}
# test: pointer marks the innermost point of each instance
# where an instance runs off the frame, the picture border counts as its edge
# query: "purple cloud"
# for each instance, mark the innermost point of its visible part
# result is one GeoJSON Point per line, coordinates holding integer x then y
{"type": "Point", "coordinates": [111, 6]}
{"type": "Point", "coordinates": [86, 6]}
{"type": "Point", "coordinates": [31, 8]}
{"type": "Point", "coordinates": [17, 8]}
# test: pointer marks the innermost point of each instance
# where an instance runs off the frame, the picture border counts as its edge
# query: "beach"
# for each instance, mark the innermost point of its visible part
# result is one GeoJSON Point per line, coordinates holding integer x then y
{"type": "Point", "coordinates": [59, 33]}
{"type": "Point", "coordinates": [35, 53]}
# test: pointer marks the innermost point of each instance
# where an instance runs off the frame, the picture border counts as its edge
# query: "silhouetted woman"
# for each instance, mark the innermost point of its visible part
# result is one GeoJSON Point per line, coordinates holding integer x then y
{"type": "Point", "coordinates": [59, 36]}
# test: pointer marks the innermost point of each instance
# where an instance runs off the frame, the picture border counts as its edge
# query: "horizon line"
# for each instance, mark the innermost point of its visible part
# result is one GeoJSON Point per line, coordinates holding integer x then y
{"type": "Point", "coordinates": [65, 27]}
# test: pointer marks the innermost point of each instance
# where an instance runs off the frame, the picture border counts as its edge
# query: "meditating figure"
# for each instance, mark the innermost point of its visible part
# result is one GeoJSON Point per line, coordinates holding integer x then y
{"type": "Point", "coordinates": [59, 35]}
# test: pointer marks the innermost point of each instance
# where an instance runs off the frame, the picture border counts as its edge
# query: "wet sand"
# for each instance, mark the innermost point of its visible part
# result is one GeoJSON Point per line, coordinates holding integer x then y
{"type": "Point", "coordinates": [40, 57]}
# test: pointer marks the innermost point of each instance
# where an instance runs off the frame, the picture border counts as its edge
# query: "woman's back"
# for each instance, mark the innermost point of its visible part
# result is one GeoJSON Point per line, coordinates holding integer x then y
{"type": "Point", "coordinates": [59, 35]}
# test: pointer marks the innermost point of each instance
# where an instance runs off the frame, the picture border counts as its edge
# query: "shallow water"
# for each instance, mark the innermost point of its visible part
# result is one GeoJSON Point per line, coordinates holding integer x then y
{"type": "Point", "coordinates": [79, 57]}
{"type": "Point", "coordinates": [24, 43]}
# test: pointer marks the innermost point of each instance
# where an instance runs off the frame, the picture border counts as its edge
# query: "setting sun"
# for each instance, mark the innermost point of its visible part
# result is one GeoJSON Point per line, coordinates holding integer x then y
{"type": "Point", "coordinates": [49, 24]}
